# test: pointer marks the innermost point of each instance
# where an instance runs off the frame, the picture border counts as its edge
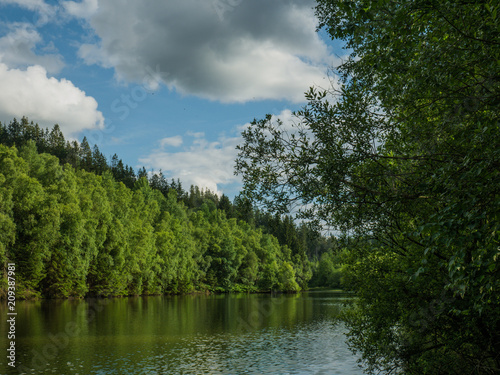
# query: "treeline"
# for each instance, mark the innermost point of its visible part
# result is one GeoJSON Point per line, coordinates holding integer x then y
{"type": "Point", "coordinates": [301, 239]}
{"type": "Point", "coordinates": [74, 228]}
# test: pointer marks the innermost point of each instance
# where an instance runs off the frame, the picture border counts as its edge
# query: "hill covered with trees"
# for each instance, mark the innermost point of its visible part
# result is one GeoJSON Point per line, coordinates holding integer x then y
{"type": "Point", "coordinates": [76, 225]}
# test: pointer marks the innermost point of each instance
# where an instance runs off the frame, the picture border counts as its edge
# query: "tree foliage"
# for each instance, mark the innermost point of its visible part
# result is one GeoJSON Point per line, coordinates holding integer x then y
{"type": "Point", "coordinates": [91, 159]}
{"type": "Point", "coordinates": [78, 231]}
{"type": "Point", "coordinates": [402, 153]}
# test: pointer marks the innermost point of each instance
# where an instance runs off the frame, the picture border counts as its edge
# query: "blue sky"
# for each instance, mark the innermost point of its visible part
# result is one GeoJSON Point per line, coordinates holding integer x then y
{"type": "Point", "coordinates": [164, 84]}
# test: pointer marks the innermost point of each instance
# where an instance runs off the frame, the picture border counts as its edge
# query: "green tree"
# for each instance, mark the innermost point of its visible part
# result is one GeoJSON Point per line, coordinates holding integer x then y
{"type": "Point", "coordinates": [65, 269]}
{"type": "Point", "coordinates": [57, 143]}
{"type": "Point", "coordinates": [168, 265]}
{"type": "Point", "coordinates": [108, 273]}
{"type": "Point", "coordinates": [268, 279]}
{"type": "Point", "coordinates": [243, 209]}
{"type": "Point", "coordinates": [15, 132]}
{"type": "Point", "coordinates": [143, 213]}
{"type": "Point", "coordinates": [99, 163]}
{"type": "Point", "coordinates": [225, 205]}
{"type": "Point", "coordinates": [73, 154]}
{"type": "Point", "coordinates": [86, 155]}
{"type": "Point", "coordinates": [328, 271]}
{"type": "Point", "coordinates": [402, 153]}
{"type": "Point", "coordinates": [7, 229]}
{"type": "Point", "coordinates": [287, 280]}
{"type": "Point", "coordinates": [36, 219]}
{"type": "Point", "coordinates": [141, 173]}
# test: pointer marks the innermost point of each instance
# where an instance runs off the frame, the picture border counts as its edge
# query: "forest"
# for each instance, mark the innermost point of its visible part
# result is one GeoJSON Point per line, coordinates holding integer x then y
{"type": "Point", "coordinates": [76, 225]}
{"type": "Point", "coordinates": [400, 155]}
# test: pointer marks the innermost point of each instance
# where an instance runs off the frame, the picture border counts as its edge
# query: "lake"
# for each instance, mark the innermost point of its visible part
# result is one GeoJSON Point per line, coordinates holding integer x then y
{"type": "Point", "coordinates": [192, 334]}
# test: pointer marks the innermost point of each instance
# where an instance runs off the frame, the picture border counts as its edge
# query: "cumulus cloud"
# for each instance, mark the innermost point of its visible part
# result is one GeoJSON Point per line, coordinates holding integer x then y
{"type": "Point", "coordinates": [46, 100]}
{"type": "Point", "coordinates": [251, 50]}
{"type": "Point", "coordinates": [16, 49]}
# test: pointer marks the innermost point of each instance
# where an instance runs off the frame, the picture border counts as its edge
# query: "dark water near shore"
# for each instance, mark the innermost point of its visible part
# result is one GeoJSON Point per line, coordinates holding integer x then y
{"type": "Point", "coordinates": [196, 334]}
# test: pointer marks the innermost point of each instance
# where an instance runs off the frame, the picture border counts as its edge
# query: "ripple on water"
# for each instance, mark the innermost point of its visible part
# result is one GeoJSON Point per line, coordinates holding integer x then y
{"type": "Point", "coordinates": [309, 349]}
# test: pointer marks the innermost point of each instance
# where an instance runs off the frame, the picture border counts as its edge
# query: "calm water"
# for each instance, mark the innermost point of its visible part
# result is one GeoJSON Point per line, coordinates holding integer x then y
{"type": "Point", "coordinates": [222, 334]}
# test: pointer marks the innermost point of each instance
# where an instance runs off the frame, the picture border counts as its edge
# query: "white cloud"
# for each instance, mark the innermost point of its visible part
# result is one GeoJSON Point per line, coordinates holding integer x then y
{"type": "Point", "coordinates": [258, 50]}
{"type": "Point", "coordinates": [16, 49]}
{"type": "Point", "coordinates": [171, 141]}
{"type": "Point", "coordinates": [84, 9]}
{"type": "Point", "coordinates": [46, 100]}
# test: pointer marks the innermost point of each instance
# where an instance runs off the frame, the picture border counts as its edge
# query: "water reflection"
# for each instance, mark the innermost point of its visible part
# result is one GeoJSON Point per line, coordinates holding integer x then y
{"type": "Point", "coordinates": [221, 334]}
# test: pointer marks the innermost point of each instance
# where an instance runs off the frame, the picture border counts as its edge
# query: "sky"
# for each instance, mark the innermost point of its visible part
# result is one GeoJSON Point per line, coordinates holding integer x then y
{"type": "Point", "coordinates": [164, 84]}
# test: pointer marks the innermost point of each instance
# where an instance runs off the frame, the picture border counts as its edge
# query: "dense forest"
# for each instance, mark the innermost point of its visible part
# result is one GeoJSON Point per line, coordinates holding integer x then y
{"type": "Point", "coordinates": [76, 225]}
{"type": "Point", "coordinates": [402, 154]}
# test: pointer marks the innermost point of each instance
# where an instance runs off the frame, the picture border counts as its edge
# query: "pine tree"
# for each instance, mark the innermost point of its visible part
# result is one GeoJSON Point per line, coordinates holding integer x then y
{"type": "Point", "coordinates": [226, 206]}
{"type": "Point", "coordinates": [142, 173]}
{"type": "Point", "coordinates": [99, 162]}
{"type": "Point", "coordinates": [86, 155]}
{"type": "Point", "coordinates": [15, 133]}
{"type": "Point", "coordinates": [57, 143]}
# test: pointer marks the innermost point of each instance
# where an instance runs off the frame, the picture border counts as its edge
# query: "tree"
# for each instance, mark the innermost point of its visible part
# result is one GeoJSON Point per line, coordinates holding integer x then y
{"type": "Point", "coordinates": [57, 143]}
{"type": "Point", "coordinates": [85, 155]}
{"type": "Point", "coordinates": [158, 182]}
{"type": "Point", "coordinates": [34, 214]}
{"type": "Point", "coordinates": [108, 274]}
{"type": "Point", "coordinates": [99, 162]}
{"type": "Point", "coordinates": [174, 268]}
{"type": "Point", "coordinates": [328, 272]}
{"type": "Point", "coordinates": [193, 199]}
{"type": "Point", "coordinates": [402, 154]}
{"type": "Point", "coordinates": [177, 186]}
{"type": "Point", "coordinates": [287, 278]}
{"type": "Point", "coordinates": [243, 209]}
{"type": "Point", "coordinates": [141, 173]}
{"type": "Point", "coordinates": [73, 154]}
{"type": "Point", "coordinates": [67, 267]}
{"type": "Point", "coordinates": [15, 131]}
{"type": "Point", "coordinates": [4, 135]}
{"type": "Point", "coordinates": [7, 225]}
{"type": "Point", "coordinates": [225, 205]}
{"type": "Point", "coordinates": [130, 177]}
